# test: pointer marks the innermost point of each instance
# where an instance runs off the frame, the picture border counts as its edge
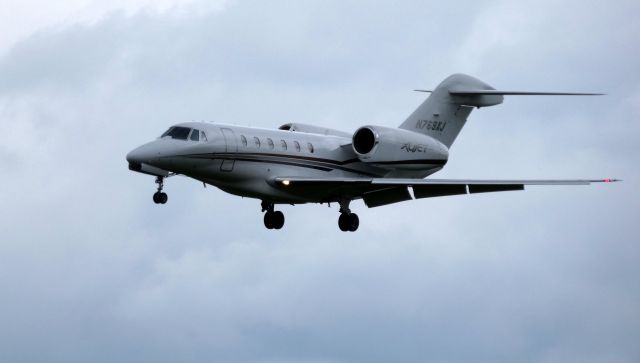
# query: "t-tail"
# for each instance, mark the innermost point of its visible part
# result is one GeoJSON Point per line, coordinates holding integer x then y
{"type": "Point", "coordinates": [443, 114]}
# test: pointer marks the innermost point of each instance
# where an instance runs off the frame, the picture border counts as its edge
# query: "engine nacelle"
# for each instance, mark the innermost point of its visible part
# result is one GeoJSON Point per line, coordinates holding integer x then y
{"type": "Point", "coordinates": [398, 148]}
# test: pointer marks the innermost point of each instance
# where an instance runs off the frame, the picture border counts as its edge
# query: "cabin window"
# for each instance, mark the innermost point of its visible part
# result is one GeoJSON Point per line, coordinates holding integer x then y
{"type": "Point", "coordinates": [283, 144]}
{"type": "Point", "coordinates": [270, 143]}
{"type": "Point", "coordinates": [310, 147]}
{"type": "Point", "coordinates": [256, 141]}
{"type": "Point", "coordinates": [243, 140]}
{"type": "Point", "coordinates": [296, 145]}
{"type": "Point", "coordinates": [195, 135]}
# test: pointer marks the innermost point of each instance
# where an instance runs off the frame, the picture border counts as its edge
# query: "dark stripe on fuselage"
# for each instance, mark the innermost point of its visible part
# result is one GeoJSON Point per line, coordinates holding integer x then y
{"type": "Point", "coordinates": [310, 158]}
{"type": "Point", "coordinates": [285, 159]}
{"type": "Point", "coordinates": [409, 162]}
{"type": "Point", "coordinates": [281, 162]}
{"type": "Point", "coordinates": [308, 161]}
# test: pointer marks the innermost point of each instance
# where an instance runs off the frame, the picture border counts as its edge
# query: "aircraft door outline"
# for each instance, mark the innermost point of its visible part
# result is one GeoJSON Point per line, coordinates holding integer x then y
{"type": "Point", "coordinates": [231, 145]}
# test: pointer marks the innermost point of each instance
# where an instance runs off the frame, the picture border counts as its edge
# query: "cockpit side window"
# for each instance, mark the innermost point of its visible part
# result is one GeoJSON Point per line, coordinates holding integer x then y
{"type": "Point", "coordinates": [203, 136]}
{"type": "Point", "coordinates": [195, 135]}
{"type": "Point", "coordinates": [177, 132]}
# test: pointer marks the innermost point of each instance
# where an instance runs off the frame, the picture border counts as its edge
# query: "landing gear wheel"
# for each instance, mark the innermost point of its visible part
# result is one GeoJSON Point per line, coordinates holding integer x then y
{"type": "Point", "coordinates": [343, 222]}
{"type": "Point", "coordinates": [354, 222]}
{"type": "Point", "coordinates": [348, 222]}
{"type": "Point", "coordinates": [163, 198]}
{"type": "Point", "coordinates": [160, 197]}
{"type": "Point", "coordinates": [278, 220]}
{"type": "Point", "coordinates": [273, 219]}
{"type": "Point", "coordinates": [268, 220]}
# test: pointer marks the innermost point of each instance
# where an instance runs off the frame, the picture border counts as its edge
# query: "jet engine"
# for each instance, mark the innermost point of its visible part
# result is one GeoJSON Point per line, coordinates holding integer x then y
{"type": "Point", "coordinates": [398, 148]}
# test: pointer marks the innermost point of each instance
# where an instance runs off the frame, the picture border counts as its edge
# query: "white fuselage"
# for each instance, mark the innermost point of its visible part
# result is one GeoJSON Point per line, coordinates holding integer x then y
{"type": "Point", "coordinates": [244, 160]}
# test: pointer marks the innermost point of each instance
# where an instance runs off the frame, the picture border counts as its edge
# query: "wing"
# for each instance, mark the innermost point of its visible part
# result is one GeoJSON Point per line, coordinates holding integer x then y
{"type": "Point", "coordinates": [493, 92]}
{"type": "Point", "coordinates": [517, 93]}
{"type": "Point", "coordinates": [382, 191]}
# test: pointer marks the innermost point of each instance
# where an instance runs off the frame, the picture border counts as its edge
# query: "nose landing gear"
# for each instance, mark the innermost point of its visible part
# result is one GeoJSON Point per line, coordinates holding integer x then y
{"type": "Point", "coordinates": [160, 197]}
{"type": "Point", "coordinates": [272, 219]}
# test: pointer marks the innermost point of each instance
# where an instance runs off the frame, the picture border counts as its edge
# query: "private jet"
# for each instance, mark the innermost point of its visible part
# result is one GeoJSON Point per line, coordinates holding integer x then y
{"type": "Point", "coordinates": [302, 163]}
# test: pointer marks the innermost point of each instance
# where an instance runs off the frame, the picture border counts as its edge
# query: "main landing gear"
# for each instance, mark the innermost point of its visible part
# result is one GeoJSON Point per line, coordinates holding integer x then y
{"type": "Point", "coordinates": [348, 222]}
{"type": "Point", "coordinates": [272, 219]}
{"type": "Point", "coordinates": [160, 197]}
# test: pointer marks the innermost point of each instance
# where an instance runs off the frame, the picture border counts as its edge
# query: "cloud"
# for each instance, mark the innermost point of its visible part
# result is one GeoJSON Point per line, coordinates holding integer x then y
{"type": "Point", "coordinates": [19, 19]}
{"type": "Point", "coordinates": [90, 269]}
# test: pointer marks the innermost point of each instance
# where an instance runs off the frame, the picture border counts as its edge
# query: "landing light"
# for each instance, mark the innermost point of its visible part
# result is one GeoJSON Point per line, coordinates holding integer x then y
{"type": "Point", "coordinates": [285, 183]}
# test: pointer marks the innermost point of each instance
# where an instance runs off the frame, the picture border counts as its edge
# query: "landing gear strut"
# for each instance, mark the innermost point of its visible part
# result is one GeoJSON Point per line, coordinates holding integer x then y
{"type": "Point", "coordinates": [160, 197]}
{"type": "Point", "coordinates": [348, 222]}
{"type": "Point", "coordinates": [272, 219]}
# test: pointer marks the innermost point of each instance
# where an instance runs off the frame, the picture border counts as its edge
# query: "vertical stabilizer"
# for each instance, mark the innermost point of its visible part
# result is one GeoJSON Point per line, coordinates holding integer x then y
{"type": "Point", "coordinates": [442, 115]}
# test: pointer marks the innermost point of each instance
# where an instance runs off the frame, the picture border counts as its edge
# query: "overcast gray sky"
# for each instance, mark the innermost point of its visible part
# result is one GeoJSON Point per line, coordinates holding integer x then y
{"type": "Point", "coordinates": [92, 270]}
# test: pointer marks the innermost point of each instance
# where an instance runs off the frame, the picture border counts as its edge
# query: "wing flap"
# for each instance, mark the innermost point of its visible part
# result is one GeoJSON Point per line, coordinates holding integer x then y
{"type": "Point", "coordinates": [488, 188]}
{"type": "Point", "coordinates": [438, 190]}
{"type": "Point", "coordinates": [386, 196]}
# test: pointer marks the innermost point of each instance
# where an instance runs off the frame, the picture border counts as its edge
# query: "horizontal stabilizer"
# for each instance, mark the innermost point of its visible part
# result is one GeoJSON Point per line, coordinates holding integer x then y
{"type": "Point", "coordinates": [516, 93]}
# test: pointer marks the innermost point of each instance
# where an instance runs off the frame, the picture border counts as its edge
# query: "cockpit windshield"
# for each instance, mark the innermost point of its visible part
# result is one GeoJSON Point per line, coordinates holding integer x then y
{"type": "Point", "coordinates": [185, 133]}
{"type": "Point", "coordinates": [177, 132]}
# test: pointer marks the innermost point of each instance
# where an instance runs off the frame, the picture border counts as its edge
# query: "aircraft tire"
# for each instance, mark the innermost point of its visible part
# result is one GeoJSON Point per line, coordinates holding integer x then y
{"type": "Point", "coordinates": [354, 222]}
{"type": "Point", "coordinates": [163, 198]}
{"type": "Point", "coordinates": [278, 219]}
{"type": "Point", "coordinates": [156, 197]}
{"type": "Point", "coordinates": [343, 222]}
{"type": "Point", "coordinates": [268, 220]}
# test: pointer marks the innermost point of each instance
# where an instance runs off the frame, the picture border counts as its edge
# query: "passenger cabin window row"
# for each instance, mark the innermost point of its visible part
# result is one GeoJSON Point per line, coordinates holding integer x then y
{"type": "Point", "coordinates": [185, 133]}
{"type": "Point", "coordinates": [271, 145]}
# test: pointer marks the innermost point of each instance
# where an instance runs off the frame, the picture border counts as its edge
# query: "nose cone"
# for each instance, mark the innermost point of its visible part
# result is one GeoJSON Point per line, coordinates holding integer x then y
{"type": "Point", "coordinates": [132, 156]}
{"type": "Point", "coordinates": [136, 156]}
{"type": "Point", "coordinates": [144, 154]}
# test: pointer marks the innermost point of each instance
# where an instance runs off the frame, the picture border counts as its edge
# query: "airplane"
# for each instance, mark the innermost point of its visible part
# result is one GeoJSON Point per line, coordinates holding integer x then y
{"type": "Point", "coordinates": [302, 163]}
